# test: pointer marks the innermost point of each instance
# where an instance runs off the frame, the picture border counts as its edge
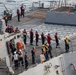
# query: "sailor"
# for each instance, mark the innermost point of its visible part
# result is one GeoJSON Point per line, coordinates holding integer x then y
{"type": "Point", "coordinates": [7, 29]}
{"type": "Point", "coordinates": [20, 57]}
{"type": "Point", "coordinates": [33, 56]}
{"type": "Point", "coordinates": [12, 29]}
{"type": "Point", "coordinates": [31, 36]}
{"type": "Point", "coordinates": [22, 10]}
{"type": "Point", "coordinates": [43, 49]}
{"type": "Point", "coordinates": [6, 19]}
{"type": "Point", "coordinates": [16, 60]}
{"type": "Point", "coordinates": [5, 12]}
{"type": "Point", "coordinates": [67, 44]}
{"type": "Point", "coordinates": [49, 39]}
{"type": "Point", "coordinates": [25, 36]}
{"type": "Point", "coordinates": [46, 46]}
{"type": "Point", "coordinates": [18, 14]}
{"type": "Point", "coordinates": [43, 38]}
{"type": "Point", "coordinates": [12, 47]}
{"type": "Point", "coordinates": [26, 61]}
{"type": "Point", "coordinates": [45, 52]}
{"type": "Point", "coordinates": [56, 39]}
{"type": "Point", "coordinates": [37, 37]}
{"type": "Point", "coordinates": [10, 15]}
{"type": "Point", "coordinates": [17, 30]}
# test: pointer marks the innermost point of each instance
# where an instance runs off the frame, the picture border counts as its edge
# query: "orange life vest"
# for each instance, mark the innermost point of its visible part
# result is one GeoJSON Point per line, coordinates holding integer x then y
{"type": "Point", "coordinates": [19, 45]}
{"type": "Point", "coordinates": [22, 7]}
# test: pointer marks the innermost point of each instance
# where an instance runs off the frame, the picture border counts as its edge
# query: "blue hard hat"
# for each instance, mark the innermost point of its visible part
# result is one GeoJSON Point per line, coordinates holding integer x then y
{"type": "Point", "coordinates": [16, 27]}
{"type": "Point", "coordinates": [24, 29]}
{"type": "Point", "coordinates": [17, 9]}
{"type": "Point", "coordinates": [36, 30]}
{"type": "Point", "coordinates": [25, 52]}
{"type": "Point", "coordinates": [42, 33]}
{"type": "Point", "coordinates": [31, 29]}
{"type": "Point", "coordinates": [22, 4]}
{"type": "Point", "coordinates": [56, 33]}
{"type": "Point", "coordinates": [48, 33]}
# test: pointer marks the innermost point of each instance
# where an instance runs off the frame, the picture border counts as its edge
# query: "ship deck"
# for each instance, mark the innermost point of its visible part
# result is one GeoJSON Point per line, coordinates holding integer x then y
{"type": "Point", "coordinates": [37, 23]}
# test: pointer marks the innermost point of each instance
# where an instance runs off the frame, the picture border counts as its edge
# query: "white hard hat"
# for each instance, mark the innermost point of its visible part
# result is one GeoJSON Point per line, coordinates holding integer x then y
{"type": "Point", "coordinates": [15, 52]}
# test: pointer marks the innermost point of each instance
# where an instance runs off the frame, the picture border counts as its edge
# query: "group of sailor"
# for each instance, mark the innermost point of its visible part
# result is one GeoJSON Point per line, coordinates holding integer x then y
{"type": "Point", "coordinates": [44, 38]}
{"type": "Point", "coordinates": [20, 57]}
{"type": "Point", "coordinates": [46, 47]}
{"type": "Point", "coordinates": [18, 53]}
{"type": "Point", "coordinates": [20, 13]}
{"type": "Point", "coordinates": [11, 29]}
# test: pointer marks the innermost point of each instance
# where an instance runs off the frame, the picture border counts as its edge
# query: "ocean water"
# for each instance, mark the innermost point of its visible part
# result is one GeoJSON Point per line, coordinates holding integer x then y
{"type": "Point", "coordinates": [13, 5]}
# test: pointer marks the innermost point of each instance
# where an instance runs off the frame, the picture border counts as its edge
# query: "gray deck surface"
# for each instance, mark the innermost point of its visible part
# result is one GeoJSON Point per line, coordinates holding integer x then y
{"type": "Point", "coordinates": [38, 24]}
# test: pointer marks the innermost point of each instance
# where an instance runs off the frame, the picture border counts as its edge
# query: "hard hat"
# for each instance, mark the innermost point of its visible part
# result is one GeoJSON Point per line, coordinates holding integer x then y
{"type": "Point", "coordinates": [16, 27]}
{"type": "Point", "coordinates": [25, 52]}
{"type": "Point", "coordinates": [15, 52]}
{"type": "Point", "coordinates": [42, 60]}
{"type": "Point", "coordinates": [33, 47]}
{"type": "Point", "coordinates": [42, 45]}
{"type": "Point", "coordinates": [66, 37]}
{"type": "Point", "coordinates": [47, 44]}
{"type": "Point", "coordinates": [42, 33]}
{"type": "Point", "coordinates": [18, 9]}
{"type": "Point", "coordinates": [48, 33]}
{"type": "Point", "coordinates": [36, 30]}
{"type": "Point", "coordinates": [11, 26]}
{"type": "Point", "coordinates": [56, 33]}
{"type": "Point", "coordinates": [22, 4]}
{"type": "Point", "coordinates": [24, 29]}
{"type": "Point", "coordinates": [31, 29]}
